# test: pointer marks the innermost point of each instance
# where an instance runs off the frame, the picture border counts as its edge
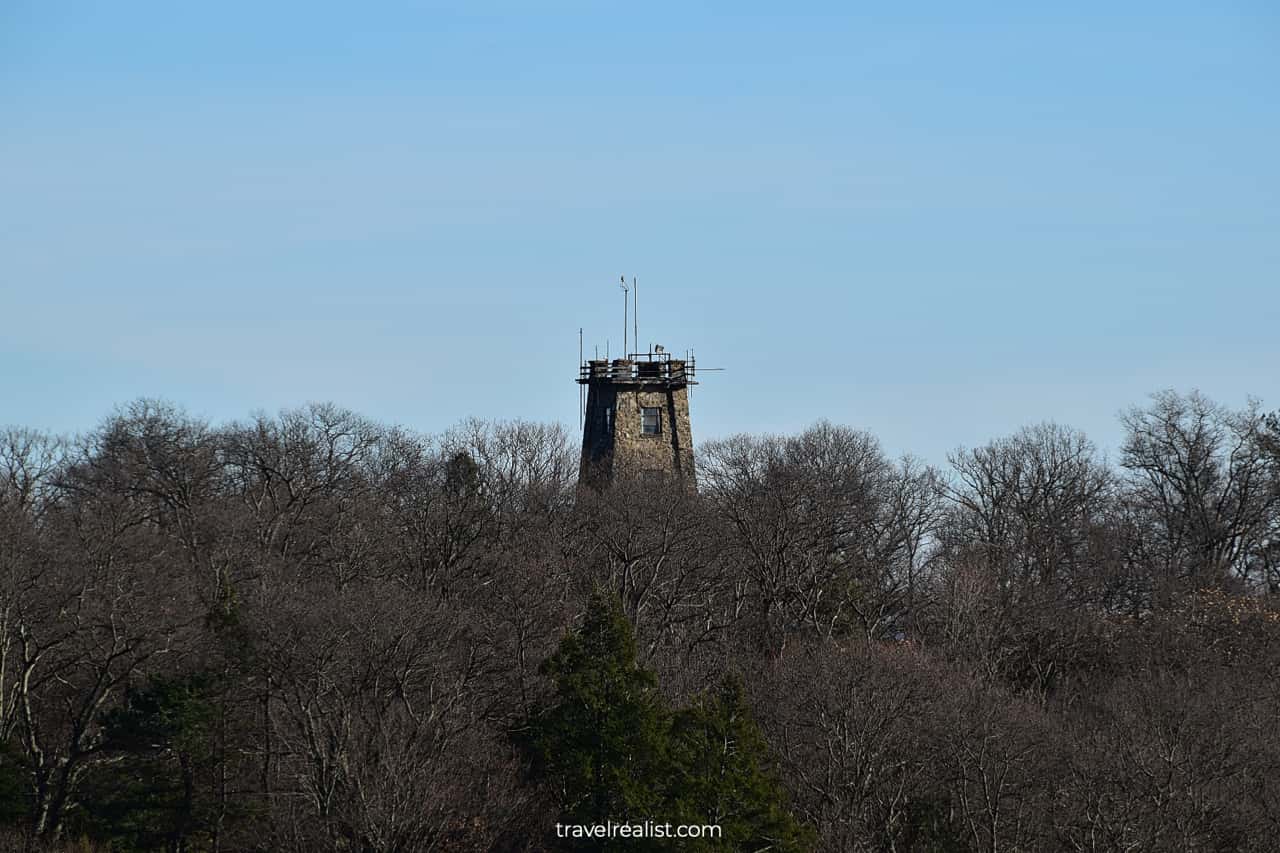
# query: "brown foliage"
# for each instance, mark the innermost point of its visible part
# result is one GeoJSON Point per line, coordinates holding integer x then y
{"type": "Point", "coordinates": [1031, 652]}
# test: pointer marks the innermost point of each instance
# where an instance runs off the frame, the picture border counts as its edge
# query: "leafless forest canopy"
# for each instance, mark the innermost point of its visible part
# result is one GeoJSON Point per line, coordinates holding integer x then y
{"type": "Point", "coordinates": [313, 632]}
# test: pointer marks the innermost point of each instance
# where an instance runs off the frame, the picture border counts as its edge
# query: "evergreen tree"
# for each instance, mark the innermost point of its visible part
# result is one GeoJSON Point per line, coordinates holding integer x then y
{"type": "Point", "coordinates": [722, 777]}
{"type": "Point", "coordinates": [602, 746]}
{"type": "Point", "coordinates": [149, 797]}
{"type": "Point", "coordinates": [609, 750]}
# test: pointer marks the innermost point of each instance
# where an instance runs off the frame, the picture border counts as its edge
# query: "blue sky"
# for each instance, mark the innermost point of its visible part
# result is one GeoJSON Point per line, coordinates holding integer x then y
{"type": "Point", "coordinates": [938, 222]}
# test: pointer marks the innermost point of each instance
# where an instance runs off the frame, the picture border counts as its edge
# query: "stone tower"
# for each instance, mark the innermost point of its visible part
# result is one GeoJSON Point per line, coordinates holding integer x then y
{"type": "Point", "coordinates": [636, 420]}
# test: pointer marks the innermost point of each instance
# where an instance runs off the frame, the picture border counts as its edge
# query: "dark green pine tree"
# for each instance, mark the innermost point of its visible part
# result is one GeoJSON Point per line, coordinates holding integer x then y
{"type": "Point", "coordinates": [601, 747]}
{"type": "Point", "coordinates": [609, 750]}
{"type": "Point", "coordinates": [722, 778]}
{"type": "Point", "coordinates": [148, 798]}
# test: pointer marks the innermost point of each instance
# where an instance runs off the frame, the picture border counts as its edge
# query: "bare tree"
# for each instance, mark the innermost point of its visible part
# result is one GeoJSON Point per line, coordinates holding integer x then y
{"type": "Point", "coordinates": [1027, 507]}
{"type": "Point", "coordinates": [378, 720]}
{"type": "Point", "coordinates": [98, 600]}
{"type": "Point", "coordinates": [826, 529]}
{"type": "Point", "coordinates": [1203, 489]}
{"type": "Point", "coordinates": [651, 543]}
{"type": "Point", "coordinates": [853, 730]}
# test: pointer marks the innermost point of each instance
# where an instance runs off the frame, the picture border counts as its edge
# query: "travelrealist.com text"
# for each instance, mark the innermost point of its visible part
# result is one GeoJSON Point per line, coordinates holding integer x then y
{"type": "Point", "coordinates": [646, 829]}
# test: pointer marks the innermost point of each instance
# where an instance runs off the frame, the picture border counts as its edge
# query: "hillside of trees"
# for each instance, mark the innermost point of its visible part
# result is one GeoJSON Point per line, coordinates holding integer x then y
{"type": "Point", "coordinates": [310, 632]}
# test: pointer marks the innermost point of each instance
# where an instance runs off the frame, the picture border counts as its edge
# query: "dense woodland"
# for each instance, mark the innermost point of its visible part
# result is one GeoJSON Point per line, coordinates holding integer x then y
{"type": "Point", "coordinates": [310, 632]}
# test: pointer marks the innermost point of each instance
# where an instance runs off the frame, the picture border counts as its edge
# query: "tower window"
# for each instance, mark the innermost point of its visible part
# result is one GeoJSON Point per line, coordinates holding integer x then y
{"type": "Point", "coordinates": [651, 421]}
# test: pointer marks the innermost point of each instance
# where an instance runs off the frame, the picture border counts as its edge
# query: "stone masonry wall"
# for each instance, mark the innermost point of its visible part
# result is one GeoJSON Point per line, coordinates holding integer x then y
{"type": "Point", "coordinates": [671, 450]}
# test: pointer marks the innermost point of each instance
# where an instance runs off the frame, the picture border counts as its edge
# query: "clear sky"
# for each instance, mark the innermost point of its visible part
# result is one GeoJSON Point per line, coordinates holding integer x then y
{"type": "Point", "coordinates": [935, 221]}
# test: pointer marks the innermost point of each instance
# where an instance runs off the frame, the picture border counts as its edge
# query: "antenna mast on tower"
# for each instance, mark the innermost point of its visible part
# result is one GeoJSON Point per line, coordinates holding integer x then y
{"type": "Point", "coordinates": [626, 299]}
